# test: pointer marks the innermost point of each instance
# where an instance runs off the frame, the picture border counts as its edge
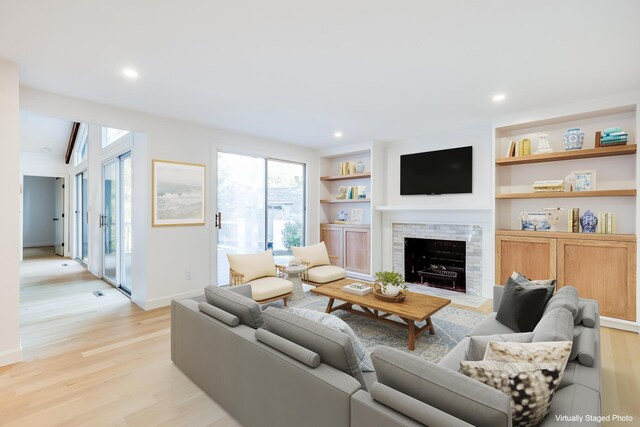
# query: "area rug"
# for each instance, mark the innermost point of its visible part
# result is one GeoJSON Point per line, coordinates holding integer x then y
{"type": "Point", "coordinates": [451, 323]}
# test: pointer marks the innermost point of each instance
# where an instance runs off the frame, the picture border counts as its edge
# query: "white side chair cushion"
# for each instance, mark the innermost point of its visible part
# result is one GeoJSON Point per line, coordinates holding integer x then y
{"type": "Point", "coordinates": [314, 254]}
{"type": "Point", "coordinates": [325, 274]}
{"type": "Point", "coordinates": [269, 287]}
{"type": "Point", "coordinates": [253, 266]}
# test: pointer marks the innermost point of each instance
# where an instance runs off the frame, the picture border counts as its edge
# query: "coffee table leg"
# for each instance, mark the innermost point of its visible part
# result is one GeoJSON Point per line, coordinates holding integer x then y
{"type": "Point", "coordinates": [412, 334]}
{"type": "Point", "coordinates": [330, 305]}
{"type": "Point", "coordinates": [429, 325]}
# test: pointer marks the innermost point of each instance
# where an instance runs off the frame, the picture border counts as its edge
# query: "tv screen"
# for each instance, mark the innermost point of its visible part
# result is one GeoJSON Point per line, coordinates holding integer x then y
{"type": "Point", "coordinates": [437, 172]}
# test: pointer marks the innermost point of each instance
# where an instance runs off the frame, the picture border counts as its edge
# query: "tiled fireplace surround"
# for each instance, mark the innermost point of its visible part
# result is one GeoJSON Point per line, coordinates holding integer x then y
{"type": "Point", "coordinates": [472, 234]}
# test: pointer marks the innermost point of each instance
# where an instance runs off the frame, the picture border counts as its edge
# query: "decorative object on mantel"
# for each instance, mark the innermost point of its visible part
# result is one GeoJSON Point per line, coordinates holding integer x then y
{"type": "Point", "coordinates": [607, 223]}
{"type": "Point", "coordinates": [553, 216]}
{"type": "Point", "coordinates": [543, 144]}
{"type": "Point", "coordinates": [610, 137]}
{"type": "Point", "coordinates": [553, 185]}
{"type": "Point", "coordinates": [589, 222]}
{"type": "Point", "coordinates": [390, 286]}
{"type": "Point", "coordinates": [584, 180]}
{"type": "Point", "coordinates": [534, 221]}
{"type": "Point", "coordinates": [573, 220]}
{"type": "Point", "coordinates": [573, 139]}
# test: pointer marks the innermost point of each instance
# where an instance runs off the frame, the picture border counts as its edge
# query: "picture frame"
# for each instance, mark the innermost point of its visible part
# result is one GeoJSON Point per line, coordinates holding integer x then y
{"type": "Point", "coordinates": [584, 180]}
{"type": "Point", "coordinates": [356, 216]}
{"type": "Point", "coordinates": [534, 221]}
{"type": "Point", "coordinates": [178, 192]}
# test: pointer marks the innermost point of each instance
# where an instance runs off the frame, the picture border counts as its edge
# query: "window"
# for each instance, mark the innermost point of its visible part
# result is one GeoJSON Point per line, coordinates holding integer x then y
{"type": "Point", "coordinates": [111, 135]}
{"type": "Point", "coordinates": [82, 145]}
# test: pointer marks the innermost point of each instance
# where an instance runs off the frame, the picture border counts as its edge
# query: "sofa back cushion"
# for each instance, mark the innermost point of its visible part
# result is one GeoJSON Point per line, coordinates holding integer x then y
{"type": "Point", "coordinates": [253, 266]}
{"type": "Point", "coordinates": [314, 255]}
{"type": "Point", "coordinates": [246, 309]}
{"type": "Point", "coordinates": [442, 388]}
{"type": "Point", "coordinates": [477, 346]}
{"type": "Point", "coordinates": [555, 325]}
{"type": "Point", "coordinates": [566, 297]}
{"type": "Point", "coordinates": [334, 347]}
{"type": "Point", "coordinates": [521, 307]}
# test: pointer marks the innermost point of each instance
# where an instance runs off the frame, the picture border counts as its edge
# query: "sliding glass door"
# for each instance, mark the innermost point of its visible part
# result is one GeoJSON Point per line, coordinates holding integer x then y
{"type": "Point", "coordinates": [116, 222]}
{"type": "Point", "coordinates": [82, 218]}
{"type": "Point", "coordinates": [261, 205]}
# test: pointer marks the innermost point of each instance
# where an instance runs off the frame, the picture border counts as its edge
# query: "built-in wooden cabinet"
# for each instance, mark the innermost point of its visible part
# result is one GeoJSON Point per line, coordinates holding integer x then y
{"type": "Point", "coordinates": [534, 257]}
{"type": "Point", "coordinates": [601, 267]}
{"type": "Point", "coordinates": [349, 246]}
{"type": "Point", "coordinates": [601, 270]}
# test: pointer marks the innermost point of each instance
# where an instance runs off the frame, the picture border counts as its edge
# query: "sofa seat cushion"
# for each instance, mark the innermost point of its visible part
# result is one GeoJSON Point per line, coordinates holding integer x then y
{"type": "Point", "coordinates": [573, 400]}
{"type": "Point", "coordinates": [253, 266]}
{"type": "Point", "coordinates": [312, 255]}
{"type": "Point", "coordinates": [325, 274]}
{"type": "Point", "coordinates": [452, 359]}
{"type": "Point", "coordinates": [490, 326]}
{"type": "Point", "coordinates": [586, 376]}
{"type": "Point", "coordinates": [269, 287]}
{"type": "Point", "coordinates": [478, 345]}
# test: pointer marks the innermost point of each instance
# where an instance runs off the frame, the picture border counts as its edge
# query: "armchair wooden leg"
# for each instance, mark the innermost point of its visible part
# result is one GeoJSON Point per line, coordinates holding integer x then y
{"type": "Point", "coordinates": [285, 301]}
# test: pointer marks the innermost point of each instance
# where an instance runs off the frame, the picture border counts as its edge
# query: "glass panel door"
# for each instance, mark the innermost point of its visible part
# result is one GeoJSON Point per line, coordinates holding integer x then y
{"type": "Point", "coordinates": [109, 221]}
{"type": "Point", "coordinates": [285, 206]}
{"type": "Point", "coordinates": [82, 226]}
{"type": "Point", "coordinates": [126, 215]}
{"type": "Point", "coordinates": [241, 208]}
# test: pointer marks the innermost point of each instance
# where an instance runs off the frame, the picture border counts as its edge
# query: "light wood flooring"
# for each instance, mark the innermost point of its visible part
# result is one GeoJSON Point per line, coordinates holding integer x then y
{"type": "Point", "coordinates": [104, 361]}
{"type": "Point", "coordinates": [94, 361]}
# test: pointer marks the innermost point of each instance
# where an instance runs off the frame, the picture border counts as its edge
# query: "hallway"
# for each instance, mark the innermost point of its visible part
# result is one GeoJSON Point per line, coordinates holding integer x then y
{"type": "Point", "coordinates": [94, 360]}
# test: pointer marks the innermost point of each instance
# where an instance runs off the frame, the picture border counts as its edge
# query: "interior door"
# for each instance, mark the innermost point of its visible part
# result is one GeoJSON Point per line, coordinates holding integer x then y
{"type": "Point", "coordinates": [58, 218]}
{"type": "Point", "coordinates": [241, 217]}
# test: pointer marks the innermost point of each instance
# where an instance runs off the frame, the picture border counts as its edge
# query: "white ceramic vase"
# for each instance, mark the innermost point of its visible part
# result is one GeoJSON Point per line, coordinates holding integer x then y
{"type": "Point", "coordinates": [391, 291]}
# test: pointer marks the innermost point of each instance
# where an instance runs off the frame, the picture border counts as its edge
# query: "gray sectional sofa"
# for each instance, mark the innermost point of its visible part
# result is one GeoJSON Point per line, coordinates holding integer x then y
{"type": "Point", "coordinates": [273, 368]}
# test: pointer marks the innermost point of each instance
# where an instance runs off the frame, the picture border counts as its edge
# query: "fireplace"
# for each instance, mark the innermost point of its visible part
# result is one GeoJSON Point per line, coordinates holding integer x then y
{"type": "Point", "coordinates": [436, 263]}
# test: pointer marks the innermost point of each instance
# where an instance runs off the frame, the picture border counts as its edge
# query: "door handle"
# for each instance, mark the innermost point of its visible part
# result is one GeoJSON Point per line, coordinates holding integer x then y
{"type": "Point", "coordinates": [219, 220]}
{"type": "Point", "coordinates": [56, 219]}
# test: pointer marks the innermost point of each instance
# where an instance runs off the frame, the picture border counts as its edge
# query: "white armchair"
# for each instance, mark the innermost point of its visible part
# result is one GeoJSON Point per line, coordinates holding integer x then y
{"type": "Point", "coordinates": [260, 271]}
{"type": "Point", "coordinates": [320, 270]}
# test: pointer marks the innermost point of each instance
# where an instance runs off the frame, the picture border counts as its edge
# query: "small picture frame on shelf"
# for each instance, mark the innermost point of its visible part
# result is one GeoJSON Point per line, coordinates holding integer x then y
{"type": "Point", "coordinates": [584, 180]}
{"type": "Point", "coordinates": [356, 216]}
{"type": "Point", "coordinates": [534, 221]}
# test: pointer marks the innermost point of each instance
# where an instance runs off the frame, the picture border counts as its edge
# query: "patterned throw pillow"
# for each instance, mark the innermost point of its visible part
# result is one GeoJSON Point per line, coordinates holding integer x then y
{"type": "Point", "coordinates": [529, 385]}
{"type": "Point", "coordinates": [537, 352]}
{"type": "Point", "coordinates": [334, 322]}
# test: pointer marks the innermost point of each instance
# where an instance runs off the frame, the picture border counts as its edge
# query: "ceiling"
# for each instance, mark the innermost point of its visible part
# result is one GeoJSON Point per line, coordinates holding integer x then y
{"type": "Point", "coordinates": [39, 133]}
{"type": "Point", "coordinates": [298, 71]}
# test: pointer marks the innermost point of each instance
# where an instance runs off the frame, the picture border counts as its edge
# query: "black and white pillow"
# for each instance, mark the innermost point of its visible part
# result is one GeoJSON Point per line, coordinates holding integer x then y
{"type": "Point", "coordinates": [530, 386]}
{"type": "Point", "coordinates": [334, 322]}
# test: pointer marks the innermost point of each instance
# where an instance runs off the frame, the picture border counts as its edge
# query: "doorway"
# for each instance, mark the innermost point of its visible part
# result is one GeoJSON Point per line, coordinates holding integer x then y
{"type": "Point", "coordinates": [261, 205]}
{"type": "Point", "coordinates": [116, 222]}
{"type": "Point", "coordinates": [43, 213]}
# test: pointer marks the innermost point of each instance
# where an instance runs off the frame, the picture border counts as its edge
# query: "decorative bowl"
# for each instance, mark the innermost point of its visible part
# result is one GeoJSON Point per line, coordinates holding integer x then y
{"type": "Point", "coordinates": [399, 298]}
{"type": "Point", "coordinates": [573, 139]}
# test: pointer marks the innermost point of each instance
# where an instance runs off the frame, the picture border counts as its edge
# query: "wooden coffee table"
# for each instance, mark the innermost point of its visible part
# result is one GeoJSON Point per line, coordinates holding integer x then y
{"type": "Point", "coordinates": [415, 307]}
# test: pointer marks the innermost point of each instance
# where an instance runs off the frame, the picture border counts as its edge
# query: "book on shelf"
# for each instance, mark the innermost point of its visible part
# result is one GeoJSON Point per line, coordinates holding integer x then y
{"type": "Point", "coordinates": [573, 220]}
{"type": "Point", "coordinates": [358, 289]}
{"type": "Point", "coordinates": [607, 223]}
{"type": "Point", "coordinates": [556, 185]}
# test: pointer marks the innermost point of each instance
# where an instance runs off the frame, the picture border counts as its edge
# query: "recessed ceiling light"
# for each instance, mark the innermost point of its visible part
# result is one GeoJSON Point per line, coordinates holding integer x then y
{"type": "Point", "coordinates": [338, 134]}
{"type": "Point", "coordinates": [499, 97]}
{"type": "Point", "coordinates": [45, 149]}
{"type": "Point", "coordinates": [130, 72]}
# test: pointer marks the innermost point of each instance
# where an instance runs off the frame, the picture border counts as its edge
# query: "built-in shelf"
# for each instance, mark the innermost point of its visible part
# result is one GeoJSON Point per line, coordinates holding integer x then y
{"type": "Point", "coordinates": [345, 201]}
{"type": "Point", "coordinates": [345, 177]}
{"type": "Point", "coordinates": [567, 235]}
{"type": "Point", "coordinates": [567, 194]}
{"type": "Point", "coordinates": [401, 208]}
{"type": "Point", "coordinates": [619, 150]}
{"type": "Point", "coordinates": [349, 225]}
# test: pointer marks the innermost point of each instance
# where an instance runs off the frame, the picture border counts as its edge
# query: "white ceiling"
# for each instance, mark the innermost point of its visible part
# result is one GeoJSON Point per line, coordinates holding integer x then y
{"type": "Point", "coordinates": [298, 71]}
{"type": "Point", "coordinates": [39, 132]}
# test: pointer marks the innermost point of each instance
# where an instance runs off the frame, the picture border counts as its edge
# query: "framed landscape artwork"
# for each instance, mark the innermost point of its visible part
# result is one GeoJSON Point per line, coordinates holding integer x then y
{"type": "Point", "coordinates": [178, 193]}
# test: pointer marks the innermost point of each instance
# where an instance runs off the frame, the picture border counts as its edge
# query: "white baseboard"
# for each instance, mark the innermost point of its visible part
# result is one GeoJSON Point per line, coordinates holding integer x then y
{"type": "Point", "coordinates": [10, 357]}
{"type": "Point", "coordinates": [625, 325]}
{"type": "Point", "coordinates": [37, 244]}
{"type": "Point", "coordinates": [151, 304]}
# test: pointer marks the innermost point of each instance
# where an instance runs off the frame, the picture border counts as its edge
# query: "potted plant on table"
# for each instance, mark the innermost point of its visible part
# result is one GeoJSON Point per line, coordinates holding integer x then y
{"type": "Point", "coordinates": [390, 282]}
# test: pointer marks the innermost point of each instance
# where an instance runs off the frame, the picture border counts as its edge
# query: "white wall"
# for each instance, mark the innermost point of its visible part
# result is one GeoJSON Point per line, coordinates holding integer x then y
{"type": "Point", "coordinates": [159, 274]}
{"type": "Point", "coordinates": [10, 349]}
{"type": "Point", "coordinates": [38, 211]}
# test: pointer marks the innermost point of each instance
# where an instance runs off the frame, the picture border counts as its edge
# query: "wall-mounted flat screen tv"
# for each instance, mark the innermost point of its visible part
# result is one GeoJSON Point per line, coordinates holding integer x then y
{"type": "Point", "coordinates": [437, 172]}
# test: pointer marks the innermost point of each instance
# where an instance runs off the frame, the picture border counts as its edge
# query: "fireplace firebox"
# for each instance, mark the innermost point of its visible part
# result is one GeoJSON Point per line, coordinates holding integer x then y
{"type": "Point", "coordinates": [436, 263]}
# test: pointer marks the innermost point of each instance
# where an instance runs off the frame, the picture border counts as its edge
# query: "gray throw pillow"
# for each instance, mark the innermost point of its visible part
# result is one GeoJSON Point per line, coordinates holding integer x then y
{"type": "Point", "coordinates": [556, 325]}
{"type": "Point", "coordinates": [587, 313]}
{"type": "Point", "coordinates": [584, 347]}
{"type": "Point", "coordinates": [549, 284]}
{"type": "Point", "coordinates": [477, 346]}
{"type": "Point", "coordinates": [246, 309]}
{"type": "Point", "coordinates": [333, 347]}
{"type": "Point", "coordinates": [442, 388]}
{"type": "Point", "coordinates": [521, 307]}
{"type": "Point", "coordinates": [566, 297]}
{"type": "Point", "coordinates": [332, 321]}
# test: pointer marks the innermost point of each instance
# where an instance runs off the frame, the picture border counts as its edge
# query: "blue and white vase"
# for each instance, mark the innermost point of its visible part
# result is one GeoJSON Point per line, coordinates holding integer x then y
{"type": "Point", "coordinates": [589, 222]}
{"type": "Point", "coordinates": [573, 139]}
{"type": "Point", "coordinates": [343, 216]}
